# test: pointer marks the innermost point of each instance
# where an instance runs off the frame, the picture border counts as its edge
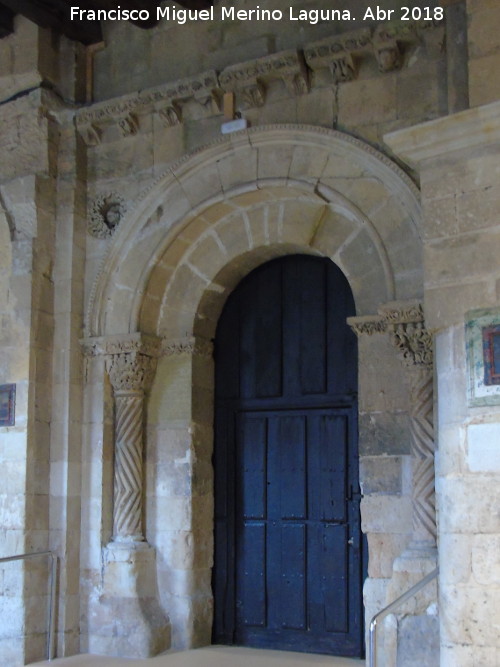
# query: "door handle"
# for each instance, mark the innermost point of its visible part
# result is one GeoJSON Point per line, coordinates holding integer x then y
{"type": "Point", "coordinates": [350, 541]}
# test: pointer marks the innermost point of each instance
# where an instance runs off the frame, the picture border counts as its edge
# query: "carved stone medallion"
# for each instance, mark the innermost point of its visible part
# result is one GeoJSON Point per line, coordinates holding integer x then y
{"type": "Point", "coordinates": [105, 214]}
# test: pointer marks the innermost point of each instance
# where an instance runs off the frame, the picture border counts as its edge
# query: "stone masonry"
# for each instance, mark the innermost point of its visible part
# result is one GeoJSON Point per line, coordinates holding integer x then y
{"type": "Point", "coordinates": [126, 220]}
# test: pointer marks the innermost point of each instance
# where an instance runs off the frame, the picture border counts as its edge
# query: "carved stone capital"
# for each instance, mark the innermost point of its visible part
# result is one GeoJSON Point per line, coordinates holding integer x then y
{"type": "Point", "coordinates": [130, 371]}
{"type": "Point", "coordinates": [367, 325]}
{"type": "Point", "coordinates": [405, 323]}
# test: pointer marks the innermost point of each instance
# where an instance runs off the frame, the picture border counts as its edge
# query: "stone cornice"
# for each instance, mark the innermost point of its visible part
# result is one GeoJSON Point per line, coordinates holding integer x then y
{"type": "Point", "coordinates": [122, 344]}
{"type": "Point", "coordinates": [367, 325]}
{"type": "Point", "coordinates": [166, 100]}
{"type": "Point", "coordinates": [145, 344]}
{"type": "Point", "coordinates": [190, 345]}
{"type": "Point", "coordinates": [249, 79]}
{"type": "Point", "coordinates": [465, 130]}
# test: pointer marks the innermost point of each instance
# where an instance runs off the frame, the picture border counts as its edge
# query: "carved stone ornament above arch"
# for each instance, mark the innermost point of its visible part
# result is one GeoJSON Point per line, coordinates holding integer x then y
{"type": "Point", "coordinates": [226, 208]}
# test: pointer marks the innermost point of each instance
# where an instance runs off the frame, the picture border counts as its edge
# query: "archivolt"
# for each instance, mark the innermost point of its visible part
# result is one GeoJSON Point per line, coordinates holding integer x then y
{"type": "Point", "coordinates": [261, 193]}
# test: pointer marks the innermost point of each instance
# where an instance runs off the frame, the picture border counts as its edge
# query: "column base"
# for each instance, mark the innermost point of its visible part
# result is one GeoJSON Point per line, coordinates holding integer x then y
{"type": "Point", "coordinates": [412, 566]}
{"type": "Point", "coordinates": [127, 619]}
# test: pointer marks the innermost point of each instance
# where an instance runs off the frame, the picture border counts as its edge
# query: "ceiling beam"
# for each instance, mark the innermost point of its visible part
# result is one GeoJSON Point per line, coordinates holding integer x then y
{"type": "Point", "coordinates": [6, 21]}
{"type": "Point", "coordinates": [55, 14]}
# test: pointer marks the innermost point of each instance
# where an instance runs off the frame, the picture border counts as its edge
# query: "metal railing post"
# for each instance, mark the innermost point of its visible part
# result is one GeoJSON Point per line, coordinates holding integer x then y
{"type": "Point", "coordinates": [390, 607]}
{"type": "Point", "coordinates": [52, 596]}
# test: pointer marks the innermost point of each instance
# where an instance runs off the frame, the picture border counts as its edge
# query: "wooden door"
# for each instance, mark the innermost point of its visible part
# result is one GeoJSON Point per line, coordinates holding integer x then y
{"type": "Point", "coordinates": [287, 571]}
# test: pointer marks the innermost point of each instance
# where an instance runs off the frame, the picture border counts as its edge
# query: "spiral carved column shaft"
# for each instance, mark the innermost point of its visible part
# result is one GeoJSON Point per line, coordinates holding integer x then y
{"type": "Point", "coordinates": [422, 442]}
{"type": "Point", "coordinates": [127, 515]}
{"type": "Point", "coordinates": [414, 345]}
{"type": "Point", "coordinates": [130, 374]}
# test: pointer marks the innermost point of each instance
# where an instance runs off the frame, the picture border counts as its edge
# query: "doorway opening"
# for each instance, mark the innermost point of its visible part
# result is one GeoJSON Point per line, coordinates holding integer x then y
{"type": "Point", "coordinates": [288, 549]}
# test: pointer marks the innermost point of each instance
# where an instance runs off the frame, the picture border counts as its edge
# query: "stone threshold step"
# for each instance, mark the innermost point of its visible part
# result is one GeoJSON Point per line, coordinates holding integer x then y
{"type": "Point", "coordinates": [210, 656]}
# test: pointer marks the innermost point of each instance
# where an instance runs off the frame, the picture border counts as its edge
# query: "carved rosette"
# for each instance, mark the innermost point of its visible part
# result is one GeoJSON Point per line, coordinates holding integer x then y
{"type": "Point", "coordinates": [405, 323]}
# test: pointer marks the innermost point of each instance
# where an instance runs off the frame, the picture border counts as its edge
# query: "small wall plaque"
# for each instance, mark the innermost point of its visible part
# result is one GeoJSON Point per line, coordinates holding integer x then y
{"type": "Point", "coordinates": [7, 404]}
{"type": "Point", "coordinates": [483, 356]}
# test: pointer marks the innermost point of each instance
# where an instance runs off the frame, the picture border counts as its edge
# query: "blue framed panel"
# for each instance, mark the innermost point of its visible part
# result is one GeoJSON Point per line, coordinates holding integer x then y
{"type": "Point", "coordinates": [7, 404]}
{"type": "Point", "coordinates": [482, 330]}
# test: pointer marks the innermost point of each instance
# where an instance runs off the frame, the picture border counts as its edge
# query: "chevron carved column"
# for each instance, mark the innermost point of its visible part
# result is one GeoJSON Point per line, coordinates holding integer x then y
{"type": "Point", "coordinates": [131, 373]}
{"type": "Point", "coordinates": [406, 326]}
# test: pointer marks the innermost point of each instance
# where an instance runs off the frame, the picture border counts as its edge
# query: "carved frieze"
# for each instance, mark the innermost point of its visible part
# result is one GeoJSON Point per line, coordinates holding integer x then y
{"type": "Point", "coordinates": [189, 345]}
{"type": "Point", "coordinates": [165, 100]}
{"type": "Point", "coordinates": [249, 78]}
{"type": "Point", "coordinates": [135, 342]}
{"type": "Point", "coordinates": [340, 54]}
{"type": "Point", "coordinates": [105, 214]}
{"type": "Point", "coordinates": [367, 325]}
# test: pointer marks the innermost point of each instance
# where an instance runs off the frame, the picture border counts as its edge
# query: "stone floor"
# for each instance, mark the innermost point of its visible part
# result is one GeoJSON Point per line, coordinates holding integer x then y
{"type": "Point", "coordinates": [211, 656]}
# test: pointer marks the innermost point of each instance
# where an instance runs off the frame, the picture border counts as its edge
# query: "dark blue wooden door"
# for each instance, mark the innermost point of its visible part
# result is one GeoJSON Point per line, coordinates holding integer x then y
{"type": "Point", "coordinates": [287, 571]}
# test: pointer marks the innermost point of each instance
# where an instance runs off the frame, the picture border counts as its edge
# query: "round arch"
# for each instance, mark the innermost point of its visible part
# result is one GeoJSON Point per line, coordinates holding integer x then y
{"type": "Point", "coordinates": [194, 234]}
{"type": "Point", "coordinates": [224, 209]}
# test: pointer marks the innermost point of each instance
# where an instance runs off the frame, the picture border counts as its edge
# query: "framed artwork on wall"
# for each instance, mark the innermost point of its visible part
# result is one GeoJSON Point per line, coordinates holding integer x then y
{"type": "Point", "coordinates": [7, 404]}
{"type": "Point", "coordinates": [482, 335]}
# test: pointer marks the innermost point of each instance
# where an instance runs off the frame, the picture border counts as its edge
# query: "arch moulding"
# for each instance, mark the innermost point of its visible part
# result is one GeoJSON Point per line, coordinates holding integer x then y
{"type": "Point", "coordinates": [194, 234]}
{"type": "Point", "coordinates": [258, 194]}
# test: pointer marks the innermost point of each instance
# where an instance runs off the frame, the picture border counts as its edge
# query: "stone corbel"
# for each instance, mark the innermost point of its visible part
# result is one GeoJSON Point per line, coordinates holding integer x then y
{"type": "Point", "coordinates": [170, 115]}
{"type": "Point", "coordinates": [338, 54]}
{"type": "Point", "coordinates": [90, 133]}
{"type": "Point", "coordinates": [129, 125]}
{"type": "Point", "coordinates": [388, 55]}
{"type": "Point", "coordinates": [249, 79]}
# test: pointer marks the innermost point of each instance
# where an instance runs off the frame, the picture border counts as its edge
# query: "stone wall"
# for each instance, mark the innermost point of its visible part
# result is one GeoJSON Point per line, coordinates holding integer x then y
{"type": "Point", "coordinates": [109, 228]}
{"type": "Point", "coordinates": [458, 161]}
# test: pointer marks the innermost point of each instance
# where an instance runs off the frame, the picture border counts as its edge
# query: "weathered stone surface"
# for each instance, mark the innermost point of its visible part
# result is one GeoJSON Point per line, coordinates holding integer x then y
{"type": "Point", "coordinates": [418, 641]}
{"type": "Point", "coordinates": [384, 433]}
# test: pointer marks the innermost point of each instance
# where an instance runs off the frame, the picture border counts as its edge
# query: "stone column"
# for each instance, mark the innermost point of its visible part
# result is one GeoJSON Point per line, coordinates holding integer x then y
{"type": "Point", "coordinates": [405, 324]}
{"type": "Point", "coordinates": [126, 618]}
{"type": "Point", "coordinates": [131, 374]}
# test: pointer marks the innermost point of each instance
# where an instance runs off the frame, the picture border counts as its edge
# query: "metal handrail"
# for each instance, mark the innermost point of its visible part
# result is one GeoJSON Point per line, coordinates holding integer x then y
{"type": "Point", "coordinates": [390, 607]}
{"type": "Point", "coordinates": [53, 573]}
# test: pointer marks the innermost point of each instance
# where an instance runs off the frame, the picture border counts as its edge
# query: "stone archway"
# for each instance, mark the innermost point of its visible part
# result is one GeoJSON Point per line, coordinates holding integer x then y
{"type": "Point", "coordinates": [196, 232]}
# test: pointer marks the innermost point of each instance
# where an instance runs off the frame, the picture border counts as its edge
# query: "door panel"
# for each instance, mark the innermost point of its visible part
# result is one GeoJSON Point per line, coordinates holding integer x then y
{"type": "Point", "coordinates": [287, 503]}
